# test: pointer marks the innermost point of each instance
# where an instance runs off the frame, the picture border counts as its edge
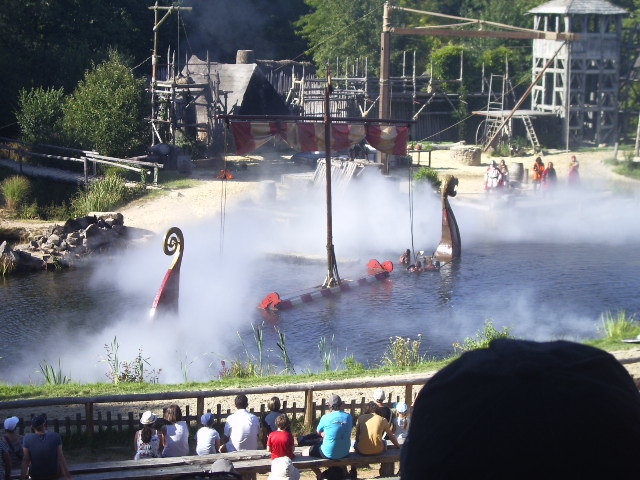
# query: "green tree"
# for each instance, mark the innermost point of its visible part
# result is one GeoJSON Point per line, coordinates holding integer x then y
{"type": "Point", "coordinates": [106, 110]}
{"type": "Point", "coordinates": [50, 43]}
{"type": "Point", "coordinates": [40, 115]}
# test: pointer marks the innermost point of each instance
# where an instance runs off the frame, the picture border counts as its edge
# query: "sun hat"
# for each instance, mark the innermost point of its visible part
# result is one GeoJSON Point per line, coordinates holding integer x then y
{"type": "Point", "coordinates": [11, 423]}
{"type": "Point", "coordinates": [378, 395]}
{"type": "Point", "coordinates": [148, 418]}
{"type": "Point", "coordinates": [38, 421]}
{"type": "Point", "coordinates": [206, 418]}
{"type": "Point", "coordinates": [223, 467]}
{"type": "Point", "coordinates": [282, 469]}
{"type": "Point", "coordinates": [334, 400]}
{"type": "Point", "coordinates": [401, 407]}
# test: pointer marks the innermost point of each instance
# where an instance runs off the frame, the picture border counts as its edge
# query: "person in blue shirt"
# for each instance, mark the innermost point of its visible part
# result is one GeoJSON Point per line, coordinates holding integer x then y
{"type": "Point", "coordinates": [335, 429]}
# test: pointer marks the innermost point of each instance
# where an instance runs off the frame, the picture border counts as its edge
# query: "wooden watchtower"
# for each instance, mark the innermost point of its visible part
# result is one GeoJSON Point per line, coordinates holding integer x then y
{"type": "Point", "coordinates": [586, 71]}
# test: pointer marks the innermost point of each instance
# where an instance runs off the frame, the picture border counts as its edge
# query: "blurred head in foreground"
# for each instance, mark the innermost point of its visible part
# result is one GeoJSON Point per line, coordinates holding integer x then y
{"type": "Point", "coordinates": [521, 409]}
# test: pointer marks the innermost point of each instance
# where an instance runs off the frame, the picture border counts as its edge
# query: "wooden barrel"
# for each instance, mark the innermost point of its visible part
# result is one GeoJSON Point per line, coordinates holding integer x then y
{"type": "Point", "coordinates": [516, 172]}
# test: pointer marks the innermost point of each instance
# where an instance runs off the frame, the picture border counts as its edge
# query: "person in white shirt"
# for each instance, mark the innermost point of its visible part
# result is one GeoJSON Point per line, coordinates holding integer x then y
{"type": "Point", "coordinates": [242, 428]}
{"type": "Point", "coordinates": [207, 438]}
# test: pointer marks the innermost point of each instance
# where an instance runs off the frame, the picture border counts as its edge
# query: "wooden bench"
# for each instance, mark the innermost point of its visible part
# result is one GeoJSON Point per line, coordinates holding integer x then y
{"type": "Point", "coordinates": [248, 463]}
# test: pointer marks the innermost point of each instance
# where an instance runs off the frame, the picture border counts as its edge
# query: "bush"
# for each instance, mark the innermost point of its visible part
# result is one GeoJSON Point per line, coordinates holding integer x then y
{"type": "Point", "coordinates": [426, 174]}
{"type": "Point", "coordinates": [40, 115]}
{"type": "Point", "coordinates": [105, 194]}
{"type": "Point", "coordinates": [106, 110]}
{"type": "Point", "coordinates": [483, 338]}
{"type": "Point", "coordinates": [16, 190]}
{"type": "Point", "coordinates": [619, 326]}
{"type": "Point", "coordinates": [402, 352]}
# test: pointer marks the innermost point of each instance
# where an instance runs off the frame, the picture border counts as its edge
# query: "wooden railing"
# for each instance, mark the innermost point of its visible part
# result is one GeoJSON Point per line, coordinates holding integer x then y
{"type": "Point", "coordinates": [91, 423]}
{"type": "Point", "coordinates": [85, 156]}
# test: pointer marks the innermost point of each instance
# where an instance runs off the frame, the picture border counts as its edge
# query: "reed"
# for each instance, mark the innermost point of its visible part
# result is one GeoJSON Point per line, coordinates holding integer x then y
{"type": "Point", "coordinates": [53, 376]}
{"type": "Point", "coordinates": [282, 346]}
{"type": "Point", "coordinates": [326, 352]}
{"type": "Point", "coordinates": [618, 326]}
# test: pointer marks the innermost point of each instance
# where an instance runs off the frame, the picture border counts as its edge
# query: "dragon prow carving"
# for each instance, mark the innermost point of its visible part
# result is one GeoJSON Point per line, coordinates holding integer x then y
{"type": "Point", "coordinates": [169, 293]}
{"type": "Point", "coordinates": [449, 246]}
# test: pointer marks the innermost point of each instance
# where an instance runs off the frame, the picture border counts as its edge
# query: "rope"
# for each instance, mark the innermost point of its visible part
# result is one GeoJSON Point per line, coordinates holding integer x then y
{"type": "Point", "coordinates": [413, 250]}
{"type": "Point", "coordinates": [450, 126]}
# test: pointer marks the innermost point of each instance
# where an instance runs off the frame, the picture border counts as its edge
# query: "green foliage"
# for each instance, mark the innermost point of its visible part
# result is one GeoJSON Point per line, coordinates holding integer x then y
{"type": "Point", "coordinates": [15, 190]}
{"type": "Point", "coordinates": [426, 174]}
{"type": "Point", "coordinates": [127, 371]}
{"type": "Point", "coordinates": [502, 149]}
{"type": "Point", "coordinates": [40, 114]}
{"type": "Point", "coordinates": [351, 365]}
{"type": "Point", "coordinates": [282, 347]}
{"type": "Point", "coordinates": [402, 352]}
{"type": "Point", "coordinates": [446, 65]}
{"type": "Point", "coordinates": [106, 110]}
{"type": "Point", "coordinates": [51, 375]}
{"type": "Point", "coordinates": [7, 265]}
{"type": "Point", "coordinates": [483, 338]}
{"type": "Point", "coordinates": [619, 326]}
{"type": "Point", "coordinates": [628, 168]}
{"type": "Point", "coordinates": [494, 60]}
{"type": "Point", "coordinates": [326, 352]}
{"type": "Point", "coordinates": [103, 195]}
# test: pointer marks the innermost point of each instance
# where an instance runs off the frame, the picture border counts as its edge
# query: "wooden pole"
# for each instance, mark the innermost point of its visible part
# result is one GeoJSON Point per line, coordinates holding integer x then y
{"type": "Point", "coordinates": [332, 268]}
{"type": "Point", "coordinates": [309, 413]}
{"type": "Point", "coordinates": [385, 65]}
{"type": "Point", "coordinates": [154, 70]}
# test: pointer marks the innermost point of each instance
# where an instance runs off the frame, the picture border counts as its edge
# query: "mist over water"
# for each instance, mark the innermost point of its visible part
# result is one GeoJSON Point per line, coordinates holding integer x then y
{"type": "Point", "coordinates": [545, 265]}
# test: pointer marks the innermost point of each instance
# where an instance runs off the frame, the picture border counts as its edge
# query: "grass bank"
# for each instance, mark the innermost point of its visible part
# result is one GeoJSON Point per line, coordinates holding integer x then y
{"type": "Point", "coordinates": [46, 199]}
{"type": "Point", "coordinates": [400, 357]}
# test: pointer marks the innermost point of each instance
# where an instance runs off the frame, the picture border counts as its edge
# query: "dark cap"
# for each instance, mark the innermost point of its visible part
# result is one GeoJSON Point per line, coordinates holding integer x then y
{"type": "Point", "coordinates": [38, 421]}
{"type": "Point", "coordinates": [520, 409]}
{"type": "Point", "coordinates": [334, 401]}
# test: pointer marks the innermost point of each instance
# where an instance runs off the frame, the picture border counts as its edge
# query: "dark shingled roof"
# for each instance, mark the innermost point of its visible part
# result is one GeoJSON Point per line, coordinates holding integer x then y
{"type": "Point", "coordinates": [579, 7]}
{"type": "Point", "coordinates": [248, 90]}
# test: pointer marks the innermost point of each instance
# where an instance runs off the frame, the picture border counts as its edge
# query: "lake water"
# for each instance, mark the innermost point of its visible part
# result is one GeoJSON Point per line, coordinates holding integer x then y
{"type": "Point", "coordinates": [546, 266]}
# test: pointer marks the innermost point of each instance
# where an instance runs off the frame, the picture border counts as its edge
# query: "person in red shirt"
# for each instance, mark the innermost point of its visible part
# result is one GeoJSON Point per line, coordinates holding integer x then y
{"type": "Point", "coordinates": [280, 442]}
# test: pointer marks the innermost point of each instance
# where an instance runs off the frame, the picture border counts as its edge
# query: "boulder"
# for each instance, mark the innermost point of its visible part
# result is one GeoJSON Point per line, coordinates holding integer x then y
{"type": "Point", "coordinates": [54, 239]}
{"type": "Point", "coordinates": [468, 155]}
{"type": "Point", "coordinates": [119, 229]}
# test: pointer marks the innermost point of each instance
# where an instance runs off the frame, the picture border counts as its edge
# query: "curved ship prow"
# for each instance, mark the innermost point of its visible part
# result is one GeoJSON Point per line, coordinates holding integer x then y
{"type": "Point", "coordinates": [449, 246]}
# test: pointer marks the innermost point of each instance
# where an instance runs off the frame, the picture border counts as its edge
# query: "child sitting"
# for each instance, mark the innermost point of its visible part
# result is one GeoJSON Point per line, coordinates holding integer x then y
{"type": "Point", "coordinates": [401, 422]}
{"type": "Point", "coordinates": [280, 442]}
{"type": "Point", "coordinates": [207, 438]}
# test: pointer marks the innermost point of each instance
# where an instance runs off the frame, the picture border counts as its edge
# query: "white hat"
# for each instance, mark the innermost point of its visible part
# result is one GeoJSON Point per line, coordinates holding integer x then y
{"type": "Point", "coordinates": [401, 407]}
{"type": "Point", "coordinates": [379, 395]}
{"type": "Point", "coordinates": [148, 418]}
{"type": "Point", "coordinates": [11, 423]}
{"type": "Point", "coordinates": [282, 469]}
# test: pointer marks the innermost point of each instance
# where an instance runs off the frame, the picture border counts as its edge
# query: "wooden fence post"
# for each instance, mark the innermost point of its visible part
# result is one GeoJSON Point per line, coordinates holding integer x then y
{"type": "Point", "coordinates": [155, 175]}
{"type": "Point", "coordinates": [199, 406]}
{"type": "Point", "coordinates": [88, 414]}
{"type": "Point", "coordinates": [408, 394]}
{"type": "Point", "coordinates": [85, 162]}
{"type": "Point", "coordinates": [309, 413]}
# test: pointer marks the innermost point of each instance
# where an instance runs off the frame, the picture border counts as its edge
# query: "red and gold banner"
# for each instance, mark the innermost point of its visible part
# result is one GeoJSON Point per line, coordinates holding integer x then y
{"type": "Point", "coordinates": [309, 137]}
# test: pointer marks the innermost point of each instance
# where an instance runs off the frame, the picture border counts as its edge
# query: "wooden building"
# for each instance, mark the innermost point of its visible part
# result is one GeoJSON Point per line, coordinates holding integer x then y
{"type": "Point", "coordinates": [585, 72]}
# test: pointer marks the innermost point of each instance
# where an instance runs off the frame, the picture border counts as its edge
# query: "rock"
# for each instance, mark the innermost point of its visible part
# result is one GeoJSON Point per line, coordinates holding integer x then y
{"type": "Point", "coordinates": [56, 230]}
{"type": "Point", "coordinates": [468, 155]}
{"type": "Point", "coordinates": [102, 224]}
{"type": "Point", "coordinates": [92, 231]}
{"type": "Point", "coordinates": [54, 239]}
{"type": "Point", "coordinates": [119, 229]}
{"type": "Point", "coordinates": [73, 235]}
{"type": "Point", "coordinates": [64, 245]}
